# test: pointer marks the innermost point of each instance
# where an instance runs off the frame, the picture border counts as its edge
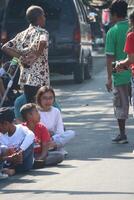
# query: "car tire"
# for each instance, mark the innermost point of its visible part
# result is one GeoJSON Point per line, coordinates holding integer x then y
{"type": "Point", "coordinates": [79, 73]}
{"type": "Point", "coordinates": [88, 68]}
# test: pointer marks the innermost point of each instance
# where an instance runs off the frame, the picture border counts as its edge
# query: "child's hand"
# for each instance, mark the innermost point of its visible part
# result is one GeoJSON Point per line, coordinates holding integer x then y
{"type": "Point", "coordinates": [119, 67]}
{"type": "Point", "coordinates": [17, 158]}
{"type": "Point", "coordinates": [52, 144]}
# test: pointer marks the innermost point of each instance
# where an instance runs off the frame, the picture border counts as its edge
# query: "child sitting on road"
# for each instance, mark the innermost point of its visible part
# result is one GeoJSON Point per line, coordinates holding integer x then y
{"type": "Point", "coordinates": [19, 142]}
{"type": "Point", "coordinates": [43, 140]}
{"type": "Point", "coordinates": [52, 119]}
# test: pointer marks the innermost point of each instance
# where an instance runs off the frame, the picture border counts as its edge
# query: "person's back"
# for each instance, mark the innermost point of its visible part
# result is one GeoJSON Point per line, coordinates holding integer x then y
{"type": "Point", "coordinates": [118, 33]}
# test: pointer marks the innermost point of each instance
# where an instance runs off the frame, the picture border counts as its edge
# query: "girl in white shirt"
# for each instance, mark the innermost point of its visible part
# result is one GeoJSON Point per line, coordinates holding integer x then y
{"type": "Point", "coordinates": [51, 117]}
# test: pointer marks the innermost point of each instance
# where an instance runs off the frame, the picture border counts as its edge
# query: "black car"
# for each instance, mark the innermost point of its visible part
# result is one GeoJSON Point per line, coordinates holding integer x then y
{"type": "Point", "coordinates": [69, 33]}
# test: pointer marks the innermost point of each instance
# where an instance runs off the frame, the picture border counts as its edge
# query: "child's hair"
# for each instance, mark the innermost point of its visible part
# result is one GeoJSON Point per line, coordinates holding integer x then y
{"type": "Point", "coordinates": [119, 7]}
{"type": "Point", "coordinates": [42, 91]}
{"type": "Point", "coordinates": [32, 14]}
{"type": "Point", "coordinates": [6, 115]}
{"type": "Point", "coordinates": [26, 109]}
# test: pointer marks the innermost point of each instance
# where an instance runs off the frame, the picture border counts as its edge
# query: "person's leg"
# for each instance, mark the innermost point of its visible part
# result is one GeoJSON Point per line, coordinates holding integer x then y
{"type": "Point", "coordinates": [3, 151]}
{"type": "Point", "coordinates": [28, 160]}
{"type": "Point", "coordinates": [121, 124]}
{"type": "Point", "coordinates": [19, 102]}
{"type": "Point", "coordinates": [64, 138]}
{"type": "Point", "coordinates": [121, 111]}
{"type": "Point", "coordinates": [132, 93]}
{"type": "Point", "coordinates": [53, 158]}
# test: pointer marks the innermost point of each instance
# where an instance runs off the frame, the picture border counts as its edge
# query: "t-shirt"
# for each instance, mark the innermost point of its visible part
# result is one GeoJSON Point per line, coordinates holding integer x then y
{"type": "Point", "coordinates": [115, 41]}
{"type": "Point", "coordinates": [27, 42]}
{"type": "Point", "coordinates": [129, 47]}
{"type": "Point", "coordinates": [52, 120]}
{"type": "Point", "coordinates": [21, 139]}
{"type": "Point", "coordinates": [41, 136]}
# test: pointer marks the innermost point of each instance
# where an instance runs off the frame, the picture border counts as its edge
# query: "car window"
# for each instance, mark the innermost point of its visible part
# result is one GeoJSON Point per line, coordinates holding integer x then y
{"type": "Point", "coordinates": [52, 8]}
{"type": "Point", "coordinates": [67, 12]}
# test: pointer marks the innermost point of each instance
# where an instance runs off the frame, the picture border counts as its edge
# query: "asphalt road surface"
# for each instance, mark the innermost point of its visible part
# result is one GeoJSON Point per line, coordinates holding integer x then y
{"type": "Point", "coordinates": [95, 169]}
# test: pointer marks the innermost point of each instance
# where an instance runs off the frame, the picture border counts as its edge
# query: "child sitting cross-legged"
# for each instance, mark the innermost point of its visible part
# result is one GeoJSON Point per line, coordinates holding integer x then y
{"type": "Point", "coordinates": [43, 157]}
{"type": "Point", "coordinates": [18, 140]}
{"type": "Point", "coordinates": [52, 118]}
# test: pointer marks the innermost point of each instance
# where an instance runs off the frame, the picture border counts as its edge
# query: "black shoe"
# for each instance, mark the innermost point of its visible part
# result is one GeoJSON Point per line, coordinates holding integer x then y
{"type": "Point", "coordinates": [120, 139]}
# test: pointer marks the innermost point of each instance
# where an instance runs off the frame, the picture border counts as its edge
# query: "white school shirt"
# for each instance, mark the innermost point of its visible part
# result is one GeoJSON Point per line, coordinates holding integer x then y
{"type": "Point", "coordinates": [52, 120]}
{"type": "Point", "coordinates": [21, 139]}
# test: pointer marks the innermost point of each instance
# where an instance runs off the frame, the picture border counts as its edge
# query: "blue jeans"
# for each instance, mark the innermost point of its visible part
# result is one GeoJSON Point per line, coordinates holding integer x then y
{"type": "Point", "coordinates": [28, 160]}
{"type": "Point", "coordinates": [3, 150]}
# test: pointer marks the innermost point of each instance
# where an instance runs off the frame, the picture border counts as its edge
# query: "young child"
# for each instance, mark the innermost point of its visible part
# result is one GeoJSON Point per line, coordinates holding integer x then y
{"type": "Point", "coordinates": [43, 140]}
{"type": "Point", "coordinates": [18, 140]}
{"type": "Point", "coordinates": [51, 117]}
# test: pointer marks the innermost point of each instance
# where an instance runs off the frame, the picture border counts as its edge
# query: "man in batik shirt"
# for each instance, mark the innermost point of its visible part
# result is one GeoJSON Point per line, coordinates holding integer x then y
{"type": "Point", "coordinates": [31, 47]}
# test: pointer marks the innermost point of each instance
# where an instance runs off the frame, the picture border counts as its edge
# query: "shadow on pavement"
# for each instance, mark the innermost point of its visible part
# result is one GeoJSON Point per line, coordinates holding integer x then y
{"type": "Point", "coordinates": [5, 191]}
{"type": "Point", "coordinates": [26, 177]}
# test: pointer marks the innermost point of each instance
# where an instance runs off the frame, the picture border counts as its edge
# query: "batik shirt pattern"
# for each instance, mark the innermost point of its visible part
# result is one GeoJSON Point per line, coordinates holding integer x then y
{"type": "Point", "coordinates": [27, 42]}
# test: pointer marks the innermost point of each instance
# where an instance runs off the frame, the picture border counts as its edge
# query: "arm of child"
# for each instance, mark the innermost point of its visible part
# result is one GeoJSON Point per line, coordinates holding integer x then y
{"type": "Point", "coordinates": [28, 140]}
{"type": "Point", "coordinates": [45, 139]}
{"type": "Point", "coordinates": [44, 151]}
{"type": "Point", "coordinates": [59, 123]}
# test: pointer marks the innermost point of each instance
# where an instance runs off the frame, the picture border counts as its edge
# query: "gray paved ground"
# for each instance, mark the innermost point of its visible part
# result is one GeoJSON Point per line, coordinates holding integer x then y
{"type": "Point", "coordinates": [96, 169]}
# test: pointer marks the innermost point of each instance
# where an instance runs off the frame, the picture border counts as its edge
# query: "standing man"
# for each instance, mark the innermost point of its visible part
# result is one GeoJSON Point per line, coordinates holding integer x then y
{"type": "Point", "coordinates": [115, 41]}
{"type": "Point", "coordinates": [31, 47]}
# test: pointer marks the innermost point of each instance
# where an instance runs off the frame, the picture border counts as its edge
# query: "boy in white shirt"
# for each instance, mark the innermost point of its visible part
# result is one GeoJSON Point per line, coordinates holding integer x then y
{"type": "Point", "coordinates": [18, 140]}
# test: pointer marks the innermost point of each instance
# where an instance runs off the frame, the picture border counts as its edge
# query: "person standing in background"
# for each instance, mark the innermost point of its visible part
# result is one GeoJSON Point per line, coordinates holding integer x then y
{"type": "Point", "coordinates": [115, 41]}
{"type": "Point", "coordinates": [31, 47]}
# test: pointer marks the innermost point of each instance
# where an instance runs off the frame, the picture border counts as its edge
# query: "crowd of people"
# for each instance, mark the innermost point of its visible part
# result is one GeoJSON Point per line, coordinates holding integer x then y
{"type": "Point", "coordinates": [33, 134]}
{"type": "Point", "coordinates": [38, 140]}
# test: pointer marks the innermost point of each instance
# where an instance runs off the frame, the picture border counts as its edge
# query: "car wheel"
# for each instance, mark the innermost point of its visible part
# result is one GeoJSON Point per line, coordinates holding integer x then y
{"type": "Point", "coordinates": [88, 68]}
{"type": "Point", "coordinates": [79, 73]}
